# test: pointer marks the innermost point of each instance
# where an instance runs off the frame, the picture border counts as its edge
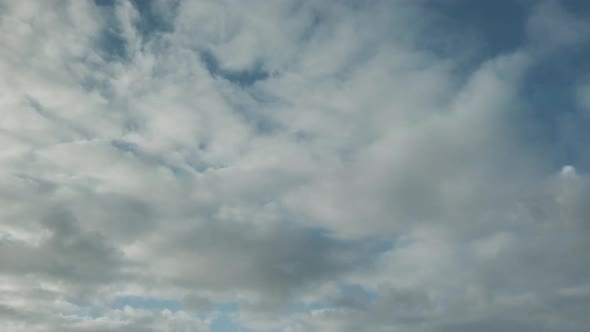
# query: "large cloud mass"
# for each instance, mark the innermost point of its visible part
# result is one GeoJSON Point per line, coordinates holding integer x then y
{"type": "Point", "coordinates": [294, 165]}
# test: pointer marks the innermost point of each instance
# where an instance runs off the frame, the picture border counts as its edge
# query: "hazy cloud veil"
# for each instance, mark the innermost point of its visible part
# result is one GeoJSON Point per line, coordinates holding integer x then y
{"type": "Point", "coordinates": [207, 165]}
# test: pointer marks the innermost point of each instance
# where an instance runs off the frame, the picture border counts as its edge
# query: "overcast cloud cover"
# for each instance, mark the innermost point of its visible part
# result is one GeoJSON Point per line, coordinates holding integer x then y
{"type": "Point", "coordinates": [229, 165]}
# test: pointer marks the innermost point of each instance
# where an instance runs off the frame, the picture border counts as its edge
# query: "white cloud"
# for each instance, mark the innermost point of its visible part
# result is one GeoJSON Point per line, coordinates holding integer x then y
{"type": "Point", "coordinates": [322, 166]}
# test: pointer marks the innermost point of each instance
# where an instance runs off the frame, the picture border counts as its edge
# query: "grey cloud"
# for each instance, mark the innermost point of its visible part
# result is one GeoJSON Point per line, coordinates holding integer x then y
{"type": "Point", "coordinates": [272, 154]}
{"type": "Point", "coordinates": [67, 254]}
{"type": "Point", "coordinates": [243, 78]}
{"type": "Point", "coordinates": [275, 261]}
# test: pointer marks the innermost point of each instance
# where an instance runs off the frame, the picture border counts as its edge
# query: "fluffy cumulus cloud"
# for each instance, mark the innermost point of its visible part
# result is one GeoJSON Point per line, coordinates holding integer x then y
{"type": "Point", "coordinates": [180, 165]}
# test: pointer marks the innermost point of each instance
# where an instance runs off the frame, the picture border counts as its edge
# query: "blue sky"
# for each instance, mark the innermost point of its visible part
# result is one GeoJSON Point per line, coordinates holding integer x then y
{"type": "Point", "coordinates": [294, 165]}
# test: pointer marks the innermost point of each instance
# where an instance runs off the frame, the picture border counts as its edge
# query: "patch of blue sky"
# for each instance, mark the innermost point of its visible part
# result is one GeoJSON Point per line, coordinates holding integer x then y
{"type": "Point", "coordinates": [498, 25]}
{"type": "Point", "coordinates": [151, 19]}
{"type": "Point", "coordinates": [550, 92]}
{"type": "Point", "coordinates": [110, 44]}
{"type": "Point", "coordinates": [228, 307]}
{"type": "Point", "coordinates": [578, 8]}
{"type": "Point", "coordinates": [104, 3]}
{"type": "Point", "coordinates": [223, 323]}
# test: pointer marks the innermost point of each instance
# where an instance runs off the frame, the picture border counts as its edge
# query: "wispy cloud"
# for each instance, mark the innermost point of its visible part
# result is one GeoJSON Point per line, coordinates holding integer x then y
{"type": "Point", "coordinates": [294, 166]}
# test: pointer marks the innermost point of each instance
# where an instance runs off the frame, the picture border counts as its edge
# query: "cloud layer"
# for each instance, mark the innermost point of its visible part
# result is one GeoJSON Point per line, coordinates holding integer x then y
{"type": "Point", "coordinates": [294, 166]}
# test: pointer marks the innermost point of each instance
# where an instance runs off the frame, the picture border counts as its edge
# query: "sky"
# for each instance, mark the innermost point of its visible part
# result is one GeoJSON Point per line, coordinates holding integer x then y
{"type": "Point", "coordinates": [294, 166]}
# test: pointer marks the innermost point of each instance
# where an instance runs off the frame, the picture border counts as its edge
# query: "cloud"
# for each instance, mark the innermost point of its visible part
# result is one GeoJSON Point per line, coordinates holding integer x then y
{"type": "Point", "coordinates": [293, 166]}
{"type": "Point", "coordinates": [276, 262]}
{"type": "Point", "coordinates": [66, 253]}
